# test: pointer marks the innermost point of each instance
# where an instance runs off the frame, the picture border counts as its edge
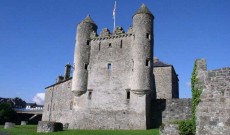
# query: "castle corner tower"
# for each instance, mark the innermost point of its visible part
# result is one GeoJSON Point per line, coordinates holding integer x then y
{"type": "Point", "coordinates": [81, 55]}
{"type": "Point", "coordinates": [142, 51]}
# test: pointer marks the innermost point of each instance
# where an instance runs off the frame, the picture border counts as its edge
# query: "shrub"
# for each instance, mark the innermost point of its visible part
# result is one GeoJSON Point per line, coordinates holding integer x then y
{"type": "Point", "coordinates": [186, 127]}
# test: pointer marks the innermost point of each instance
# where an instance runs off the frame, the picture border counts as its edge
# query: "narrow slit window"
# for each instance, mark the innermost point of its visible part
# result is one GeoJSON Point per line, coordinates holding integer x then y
{"type": "Point", "coordinates": [121, 44]}
{"type": "Point", "coordinates": [99, 47]}
{"type": "Point", "coordinates": [71, 105]}
{"type": "Point", "coordinates": [147, 63]}
{"type": "Point", "coordinates": [109, 66]}
{"type": "Point", "coordinates": [128, 95]}
{"type": "Point", "coordinates": [90, 95]}
{"type": "Point", "coordinates": [148, 36]}
{"type": "Point", "coordinates": [132, 65]}
{"type": "Point", "coordinates": [86, 66]}
{"type": "Point", "coordinates": [110, 45]}
{"type": "Point", "coordinates": [88, 42]}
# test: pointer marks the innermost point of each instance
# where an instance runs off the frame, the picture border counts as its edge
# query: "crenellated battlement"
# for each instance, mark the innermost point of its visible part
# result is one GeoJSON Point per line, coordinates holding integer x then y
{"type": "Point", "coordinates": [106, 34]}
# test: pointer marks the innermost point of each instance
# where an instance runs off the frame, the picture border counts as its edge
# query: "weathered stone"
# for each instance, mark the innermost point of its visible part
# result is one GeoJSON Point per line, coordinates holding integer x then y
{"type": "Point", "coordinates": [169, 129]}
{"type": "Point", "coordinates": [215, 96]}
{"type": "Point", "coordinates": [9, 125]}
{"type": "Point", "coordinates": [24, 122]}
{"type": "Point", "coordinates": [47, 126]}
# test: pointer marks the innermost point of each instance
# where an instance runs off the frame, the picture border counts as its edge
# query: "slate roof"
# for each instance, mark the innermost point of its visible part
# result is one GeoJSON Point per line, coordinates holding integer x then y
{"type": "Point", "coordinates": [143, 10]}
{"type": "Point", "coordinates": [88, 19]}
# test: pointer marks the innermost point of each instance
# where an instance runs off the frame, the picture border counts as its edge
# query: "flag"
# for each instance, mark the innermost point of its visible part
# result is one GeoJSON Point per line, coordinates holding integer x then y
{"type": "Point", "coordinates": [114, 10]}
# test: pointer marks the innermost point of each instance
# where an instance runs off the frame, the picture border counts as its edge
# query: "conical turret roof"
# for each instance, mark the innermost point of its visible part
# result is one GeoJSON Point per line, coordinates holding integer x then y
{"type": "Point", "coordinates": [88, 19]}
{"type": "Point", "coordinates": [143, 10]}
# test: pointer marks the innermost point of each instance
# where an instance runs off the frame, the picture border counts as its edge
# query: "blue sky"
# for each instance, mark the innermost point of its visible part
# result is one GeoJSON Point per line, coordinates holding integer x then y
{"type": "Point", "coordinates": [37, 37]}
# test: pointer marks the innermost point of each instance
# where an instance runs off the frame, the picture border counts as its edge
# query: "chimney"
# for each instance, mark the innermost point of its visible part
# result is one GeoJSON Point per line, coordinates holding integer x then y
{"type": "Point", "coordinates": [67, 71]}
{"type": "Point", "coordinates": [59, 79]}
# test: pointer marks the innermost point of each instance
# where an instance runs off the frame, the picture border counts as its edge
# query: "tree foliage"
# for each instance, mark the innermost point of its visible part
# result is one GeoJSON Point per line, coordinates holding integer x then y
{"type": "Point", "coordinates": [6, 112]}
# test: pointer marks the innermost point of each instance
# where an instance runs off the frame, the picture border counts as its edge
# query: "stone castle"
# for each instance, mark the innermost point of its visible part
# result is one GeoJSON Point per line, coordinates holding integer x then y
{"type": "Point", "coordinates": [116, 81]}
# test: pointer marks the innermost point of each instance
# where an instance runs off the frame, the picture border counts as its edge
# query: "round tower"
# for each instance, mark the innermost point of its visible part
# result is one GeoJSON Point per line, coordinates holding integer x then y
{"type": "Point", "coordinates": [142, 50]}
{"type": "Point", "coordinates": [81, 55]}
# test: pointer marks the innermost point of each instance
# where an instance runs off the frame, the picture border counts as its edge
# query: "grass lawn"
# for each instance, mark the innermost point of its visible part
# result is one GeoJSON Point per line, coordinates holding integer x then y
{"type": "Point", "coordinates": [31, 130]}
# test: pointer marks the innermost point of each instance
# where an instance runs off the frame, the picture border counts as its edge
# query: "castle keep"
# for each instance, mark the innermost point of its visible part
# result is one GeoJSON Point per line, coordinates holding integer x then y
{"type": "Point", "coordinates": [115, 81]}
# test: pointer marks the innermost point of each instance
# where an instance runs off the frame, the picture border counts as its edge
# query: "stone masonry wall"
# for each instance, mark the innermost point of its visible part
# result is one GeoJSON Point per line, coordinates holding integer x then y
{"type": "Point", "coordinates": [163, 82]}
{"type": "Point", "coordinates": [177, 109]}
{"type": "Point", "coordinates": [213, 111]}
{"type": "Point", "coordinates": [58, 103]}
{"type": "Point", "coordinates": [168, 110]}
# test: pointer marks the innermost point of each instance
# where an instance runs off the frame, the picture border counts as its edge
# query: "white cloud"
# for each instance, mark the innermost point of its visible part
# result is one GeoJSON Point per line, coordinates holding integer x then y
{"type": "Point", "coordinates": [39, 98]}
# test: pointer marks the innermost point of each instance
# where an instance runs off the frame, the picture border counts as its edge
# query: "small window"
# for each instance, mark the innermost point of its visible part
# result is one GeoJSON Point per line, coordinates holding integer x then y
{"type": "Point", "coordinates": [86, 66]}
{"type": "Point", "coordinates": [90, 95]}
{"type": "Point", "coordinates": [133, 37]}
{"type": "Point", "coordinates": [110, 45]}
{"type": "Point", "coordinates": [148, 36]}
{"type": "Point", "coordinates": [132, 65]}
{"type": "Point", "coordinates": [71, 105]}
{"type": "Point", "coordinates": [147, 63]}
{"type": "Point", "coordinates": [121, 44]}
{"type": "Point", "coordinates": [99, 46]}
{"type": "Point", "coordinates": [128, 95]}
{"type": "Point", "coordinates": [109, 66]}
{"type": "Point", "coordinates": [88, 42]}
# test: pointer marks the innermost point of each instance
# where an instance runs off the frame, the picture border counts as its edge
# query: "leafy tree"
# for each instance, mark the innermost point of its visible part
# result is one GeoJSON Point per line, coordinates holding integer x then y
{"type": "Point", "coordinates": [6, 112]}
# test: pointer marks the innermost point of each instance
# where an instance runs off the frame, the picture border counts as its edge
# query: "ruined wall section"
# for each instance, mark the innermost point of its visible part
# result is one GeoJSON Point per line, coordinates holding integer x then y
{"type": "Point", "coordinates": [213, 111]}
{"type": "Point", "coordinates": [58, 105]}
{"type": "Point", "coordinates": [177, 109]}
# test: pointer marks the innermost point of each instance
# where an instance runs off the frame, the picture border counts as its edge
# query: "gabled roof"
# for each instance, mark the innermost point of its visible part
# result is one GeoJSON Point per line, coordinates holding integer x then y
{"type": "Point", "coordinates": [158, 63]}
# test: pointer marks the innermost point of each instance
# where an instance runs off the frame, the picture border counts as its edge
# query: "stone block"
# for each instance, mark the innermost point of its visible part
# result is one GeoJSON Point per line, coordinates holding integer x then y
{"type": "Point", "coordinates": [24, 122]}
{"type": "Point", "coordinates": [9, 125]}
{"type": "Point", "coordinates": [48, 126]}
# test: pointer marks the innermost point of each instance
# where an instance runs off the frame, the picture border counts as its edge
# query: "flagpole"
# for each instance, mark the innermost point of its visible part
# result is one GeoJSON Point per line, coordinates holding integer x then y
{"type": "Point", "coordinates": [114, 23]}
{"type": "Point", "coordinates": [114, 15]}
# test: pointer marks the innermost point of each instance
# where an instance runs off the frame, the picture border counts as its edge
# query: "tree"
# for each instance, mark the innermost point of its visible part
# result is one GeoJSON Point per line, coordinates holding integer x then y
{"type": "Point", "coordinates": [6, 112]}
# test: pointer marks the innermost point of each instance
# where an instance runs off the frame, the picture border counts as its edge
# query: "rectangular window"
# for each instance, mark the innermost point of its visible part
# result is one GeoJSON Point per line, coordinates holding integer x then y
{"type": "Point", "coordinates": [121, 44]}
{"type": "Point", "coordinates": [109, 66]}
{"type": "Point", "coordinates": [148, 36]}
{"type": "Point", "coordinates": [90, 95]}
{"type": "Point", "coordinates": [88, 42]}
{"type": "Point", "coordinates": [86, 66]}
{"type": "Point", "coordinates": [128, 95]}
{"type": "Point", "coordinates": [147, 62]}
{"type": "Point", "coordinates": [99, 47]}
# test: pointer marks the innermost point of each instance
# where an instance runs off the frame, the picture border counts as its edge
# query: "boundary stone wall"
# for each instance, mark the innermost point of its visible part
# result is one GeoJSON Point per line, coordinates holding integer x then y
{"type": "Point", "coordinates": [213, 111]}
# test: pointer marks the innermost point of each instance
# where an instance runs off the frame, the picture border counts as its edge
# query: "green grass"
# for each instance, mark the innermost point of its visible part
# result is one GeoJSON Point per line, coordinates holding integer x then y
{"type": "Point", "coordinates": [31, 130]}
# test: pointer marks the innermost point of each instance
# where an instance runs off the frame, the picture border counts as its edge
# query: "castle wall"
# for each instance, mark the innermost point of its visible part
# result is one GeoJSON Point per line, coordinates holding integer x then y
{"type": "Point", "coordinates": [168, 110]}
{"type": "Point", "coordinates": [105, 105]}
{"type": "Point", "coordinates": [163, 82]}
{"type": "Point", "coordinates": [58, 103]}
{"type": "Point", "coordinates": [213, 111]}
